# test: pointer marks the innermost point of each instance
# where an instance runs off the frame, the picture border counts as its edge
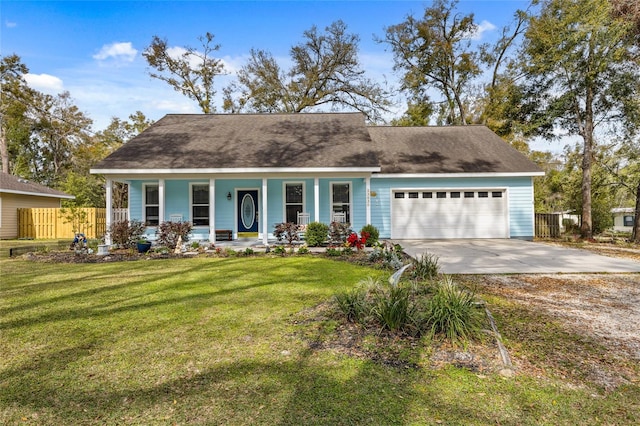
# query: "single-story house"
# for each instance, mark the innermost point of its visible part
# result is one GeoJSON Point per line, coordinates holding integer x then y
{"type": "Point", "coordinates": [17, 193]}
{"type": "Point", "coordinates": [246, 173]}
{"type": "Point", "coordinates": [623, 219]}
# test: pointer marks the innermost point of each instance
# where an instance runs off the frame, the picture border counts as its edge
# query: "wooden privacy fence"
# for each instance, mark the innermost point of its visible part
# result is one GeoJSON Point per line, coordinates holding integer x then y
{"type": "Point", "coordinates": [547, 225]}
{"type": "Point", "coordinates": [61, 223]}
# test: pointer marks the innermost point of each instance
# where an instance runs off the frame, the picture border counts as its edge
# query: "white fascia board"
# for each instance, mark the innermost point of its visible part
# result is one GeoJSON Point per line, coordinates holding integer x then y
{"type": "Point", "coordinates": [454, 175]}
{"type": "Point", "coordinates": [235, 170]}
{"type": "Point", "coordinates": [36, 194]}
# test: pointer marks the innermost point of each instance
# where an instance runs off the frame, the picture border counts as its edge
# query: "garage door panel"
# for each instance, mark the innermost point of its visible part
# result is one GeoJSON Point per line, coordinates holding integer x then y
{"type": "Point", "coordinates": [470, 217]}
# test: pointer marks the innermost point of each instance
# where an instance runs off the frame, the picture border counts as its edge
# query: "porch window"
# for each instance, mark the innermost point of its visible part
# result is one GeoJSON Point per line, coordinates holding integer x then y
{"type": "Point", "coordinates": [293, 201]}
{"type": "Point", "coordinates": [151, 205]}
{"type": "Point", "coordinates": [200, 204]}
{"type": "Point", "coordinates": [341, 199]}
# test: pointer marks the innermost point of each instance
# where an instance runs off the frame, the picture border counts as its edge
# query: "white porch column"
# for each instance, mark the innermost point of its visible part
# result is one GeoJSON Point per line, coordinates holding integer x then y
{"type": "Point", "coordinates": [212, 210]}
{"type": "Point", "coordinates": [263, 215]}
{"type": "Point", "coordinates": [160, 201]}
{"type": "Point", "coordinates": [316, 199]}
{"type": "Point", "coordinates": [367, 184]}
{"type": "Point", "coordinates": [109, 208]}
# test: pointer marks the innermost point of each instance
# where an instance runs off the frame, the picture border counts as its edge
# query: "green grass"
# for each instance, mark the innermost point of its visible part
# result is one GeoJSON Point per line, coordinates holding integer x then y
{"type": "Point", "coordinates": [218, 341]}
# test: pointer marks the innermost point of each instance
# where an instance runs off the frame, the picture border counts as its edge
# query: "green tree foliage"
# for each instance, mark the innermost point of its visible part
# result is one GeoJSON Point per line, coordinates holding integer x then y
{"type": "Point", "coordinates": [579, 75]}
{"type": "Point", "coordinates": [190, 72]}
{"type": "Point", "coordinates": [14, 130]}
{"type": "Point", "coordinates": [325, 71]}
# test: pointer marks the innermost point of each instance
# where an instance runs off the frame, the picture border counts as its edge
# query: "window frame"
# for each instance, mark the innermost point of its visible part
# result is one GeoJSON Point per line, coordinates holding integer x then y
{"type": "Point", "coordinates": [349, 212]}
{"type": "Point", "coordinates": [145, 205]}
{"type": "Point", "coordinates": [285, 204]}
{"type": "Point", "coordinates": [627, 220]}
{"type": "Point", "coordinates": [192, 205]}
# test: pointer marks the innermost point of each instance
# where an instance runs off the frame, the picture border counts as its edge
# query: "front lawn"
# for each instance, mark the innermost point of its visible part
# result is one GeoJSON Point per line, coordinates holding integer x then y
{"type": "Point", "coordinates": [227, 341]}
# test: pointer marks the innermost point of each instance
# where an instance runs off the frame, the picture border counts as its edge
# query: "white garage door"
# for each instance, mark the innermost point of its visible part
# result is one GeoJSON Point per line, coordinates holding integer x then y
{"type": "Point", "coordinates": [456, 213]}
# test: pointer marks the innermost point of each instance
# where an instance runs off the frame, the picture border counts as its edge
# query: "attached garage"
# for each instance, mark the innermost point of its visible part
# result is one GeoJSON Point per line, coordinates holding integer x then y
{"type": "Point", "coordinates": [456, 213]}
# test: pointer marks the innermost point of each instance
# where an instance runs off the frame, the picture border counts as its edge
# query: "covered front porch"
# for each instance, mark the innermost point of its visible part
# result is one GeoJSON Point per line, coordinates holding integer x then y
{"type": "Point", "coordinates": [245, 207]}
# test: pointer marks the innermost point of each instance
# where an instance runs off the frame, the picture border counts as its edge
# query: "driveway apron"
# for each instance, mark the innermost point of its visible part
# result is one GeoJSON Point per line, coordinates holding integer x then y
{"type": "Point", "coordinates": [510, 256]}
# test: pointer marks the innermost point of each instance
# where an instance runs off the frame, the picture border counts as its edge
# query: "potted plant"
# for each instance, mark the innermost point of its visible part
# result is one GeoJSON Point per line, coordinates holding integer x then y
{"type": "Point", "coordinates": [143, 245]}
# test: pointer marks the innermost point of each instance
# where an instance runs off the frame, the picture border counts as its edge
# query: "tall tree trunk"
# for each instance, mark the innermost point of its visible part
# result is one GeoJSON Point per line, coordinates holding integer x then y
{"type": "Point", "coordinates": [586, 229]}
{"type": "Point", "coordinates": [4, 151]}
{"type": "Point", "coordinates": [635, 235]}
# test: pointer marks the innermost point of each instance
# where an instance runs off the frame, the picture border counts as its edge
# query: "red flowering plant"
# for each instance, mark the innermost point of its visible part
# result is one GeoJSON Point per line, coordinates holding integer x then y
{"type": "Point", "coordinates": [358, 242]}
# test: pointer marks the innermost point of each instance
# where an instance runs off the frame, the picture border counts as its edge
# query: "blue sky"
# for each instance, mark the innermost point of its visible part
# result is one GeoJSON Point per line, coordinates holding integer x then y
{"type": "Point", "coordinates": [93, 48]}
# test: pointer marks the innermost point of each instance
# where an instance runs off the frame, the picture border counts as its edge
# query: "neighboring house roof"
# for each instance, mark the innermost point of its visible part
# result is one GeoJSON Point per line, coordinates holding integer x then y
{"type": "Point", "coordinates": [254, 142]}
{"type": "Point", "coordinates": [623, 210]}
{"type": "Point", "coordinates": [10, 184]}
{"type": "Point", "coordinates": [234, 141]}
{"type": "Point", "coordinates": [447, 149]}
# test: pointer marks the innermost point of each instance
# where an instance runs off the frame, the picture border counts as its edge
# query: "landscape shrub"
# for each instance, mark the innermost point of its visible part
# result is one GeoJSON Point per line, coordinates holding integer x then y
{"type": "Point", "coordinates": [287, 231]}
{"type": "Point", "coordinates": [387, 255]}
{"type": "Point", "coordinates": [125, 233]}
{"type": "Point", "coordinates": [338, 232]}
{"type": "Point", "coordinates": [374, 234]}
{"type": "Point", "coordinates": [394, 311]}
{"type": "Point", "coordinates": [452, 312]}
{"type": "Point", "coordinates": [169, 233]}
{"type": "Point", "coordinates": [316, 234]}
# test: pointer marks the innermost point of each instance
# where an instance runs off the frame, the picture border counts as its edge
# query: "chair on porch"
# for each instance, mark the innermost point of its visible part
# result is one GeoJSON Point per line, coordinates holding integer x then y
{"type": "Point", "coordinates": [175, 218]}
{"type": "Point", "coordinates": [340, 217]}
{"type": "Point", "coordinates": [303, 221]}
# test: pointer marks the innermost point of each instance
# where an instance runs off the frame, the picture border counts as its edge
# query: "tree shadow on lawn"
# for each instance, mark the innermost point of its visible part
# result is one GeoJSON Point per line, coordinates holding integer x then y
{"type": "Point", "coordinates": [284, 391]}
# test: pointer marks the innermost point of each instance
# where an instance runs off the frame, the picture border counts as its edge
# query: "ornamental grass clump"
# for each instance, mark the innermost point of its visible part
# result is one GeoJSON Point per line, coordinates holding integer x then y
{"type": "Point", "coordinates": [452, 312]}
{"type": "Point", "coordinates": [394, 310]}
{"type": "Point", "coordinates": [425, 267]}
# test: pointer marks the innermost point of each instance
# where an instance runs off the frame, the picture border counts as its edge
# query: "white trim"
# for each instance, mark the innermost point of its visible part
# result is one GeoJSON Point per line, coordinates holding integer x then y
{"type": "Point", "coordinates": [238, 170]}
{"type": "Point", "coordinates": [109, 208]}
{"type": "Point", "coordinates": [212, 210]}
{"type": "Point", "coordinates": [367, 190]}
{"type": "Point", "coordinates": [144, 202]}
{"type": "Point", "coordinates": [161, 201]}
{"type": "Point", "coordinates": [191, 185]}
{"type": "Point", "coordinates": [284, 196]}
{"type": "Point", "coordinates": [455, 175]}
{"type": "Point", "coordinates": [350, 183]}
{"type": "Point", "coordinates": [36, 194]}
{"type": "Point", "coordinates": [263, 215]}
{"type": "Point", "coordinates": [316, 199]}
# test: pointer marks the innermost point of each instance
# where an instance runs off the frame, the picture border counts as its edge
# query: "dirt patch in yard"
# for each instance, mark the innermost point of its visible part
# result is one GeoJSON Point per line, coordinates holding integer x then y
{"type": "Point", "coordinates": [600, 313]}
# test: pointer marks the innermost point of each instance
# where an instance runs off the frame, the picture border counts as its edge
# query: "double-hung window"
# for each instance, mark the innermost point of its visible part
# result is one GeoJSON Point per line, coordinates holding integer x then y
{"type": "Point", "coordinates": [293, 201]}
{"type": "Point", "coordinates": [200, 204]}
{"type": "Point", "coordinates": [151, 205]}
{"type": "Point", "coordinates": [341, 199]}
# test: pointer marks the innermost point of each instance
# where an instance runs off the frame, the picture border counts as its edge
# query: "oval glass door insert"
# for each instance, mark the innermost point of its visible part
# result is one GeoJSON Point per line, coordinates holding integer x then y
{"type": "Point", "coordinates": [248, 209]}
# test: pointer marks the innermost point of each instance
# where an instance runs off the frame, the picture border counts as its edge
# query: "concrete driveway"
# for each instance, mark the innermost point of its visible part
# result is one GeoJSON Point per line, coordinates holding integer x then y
{"type": "Point", "coordinates": [487, 256]}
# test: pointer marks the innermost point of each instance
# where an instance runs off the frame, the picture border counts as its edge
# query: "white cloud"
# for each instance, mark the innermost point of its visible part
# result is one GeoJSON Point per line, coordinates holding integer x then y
{"type": "Point", "coordinates": [119, 51]}
{"type": "Point", "coordinates": [481, 28]}
{"type": "Point", "coordinates": [44, 83]}
{"type": "Point", "coordinates": [10, 24]}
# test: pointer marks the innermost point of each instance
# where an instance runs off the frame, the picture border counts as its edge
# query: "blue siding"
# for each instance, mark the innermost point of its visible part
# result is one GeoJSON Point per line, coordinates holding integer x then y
{"type": "Point", "coordinates": [519, 190]}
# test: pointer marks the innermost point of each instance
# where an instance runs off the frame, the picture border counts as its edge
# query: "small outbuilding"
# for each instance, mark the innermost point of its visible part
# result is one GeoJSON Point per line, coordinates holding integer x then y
{"type": "Point", "coordinates": [623, 218]}
{"type": "Point", "coordinates": [17, 193]}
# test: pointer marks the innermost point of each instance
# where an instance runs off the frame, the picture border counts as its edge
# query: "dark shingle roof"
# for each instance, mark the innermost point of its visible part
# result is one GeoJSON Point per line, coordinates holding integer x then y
{"type": "Point", "coordinates": [449, 149]}
{"type": "Point", "coordinates": [248, 141]}
{"type": "Point", "coordinates": [326, 140]}
{"type": "Point", "coordinates": [15, 185]}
